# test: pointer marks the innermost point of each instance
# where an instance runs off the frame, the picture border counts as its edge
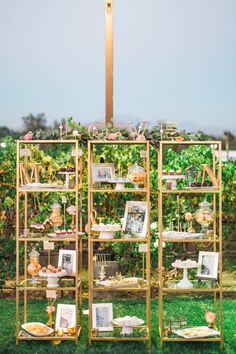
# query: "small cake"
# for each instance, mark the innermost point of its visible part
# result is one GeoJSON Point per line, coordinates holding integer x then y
{"type": "Point", "coordinates": [179, 172]}
{"type": "Point", "coordinates": [69, 232]}
{"type": "Point", "coordinates": [63, 232]}
{"type": "Point", "coordinates": [164, 172]}
{"type": "Point", "coordinates": [172, 172]}
{"type": "Point", "coordinates": [58, 232]}
{"type": "Point", "coordinates": [44, 269]}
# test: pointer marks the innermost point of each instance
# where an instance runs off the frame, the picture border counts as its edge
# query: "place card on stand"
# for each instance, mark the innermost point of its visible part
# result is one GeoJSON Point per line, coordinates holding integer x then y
{"type": "Point", "coordinates": [143, 154]}
{"type": "Point", "coordinates": [143, 248]}
{"type": "Point", "coordinates": [25, 152]}
{"type": "Point", "coordinates": [48, 246]}
{"type": "Point", "coordinates": [80, 152]}
{"type": "Point", "coordinates": [51, 294]}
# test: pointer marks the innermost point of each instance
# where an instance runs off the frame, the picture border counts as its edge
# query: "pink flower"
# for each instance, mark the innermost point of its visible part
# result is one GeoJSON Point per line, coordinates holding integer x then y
{"type": "Point", "coordinates": [141, 137]}
{"type": "Point", "coordinates": [118, 134]}
{"type": "Point", "coordinates": [210, 317]}
{"type": "Point", "coordinates": [28, 136]}
{"type": "Point", "coordinates": [50, 309]}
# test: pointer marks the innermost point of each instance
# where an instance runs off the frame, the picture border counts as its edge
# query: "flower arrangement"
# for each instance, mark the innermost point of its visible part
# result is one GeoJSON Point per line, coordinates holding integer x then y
{"type": "Point", "coordinates": [50, 308]}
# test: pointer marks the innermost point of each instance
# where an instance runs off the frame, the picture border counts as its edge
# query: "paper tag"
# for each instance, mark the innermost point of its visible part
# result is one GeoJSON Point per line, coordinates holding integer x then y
{"type": "Point", "coordinates": [47, 245]}
{"type": "Point", "coordinates": [25, 152]}
{"type": "Point", "coordinates": [143, 154]}
{"type": "Point", "coordinates": [143, 248]}
{"type": "Point", "coordinates": [80, 152]}
{"type": "Point", "coordinates": [51, 294]}
{"type": "Point", "coordinates": [63, 199]}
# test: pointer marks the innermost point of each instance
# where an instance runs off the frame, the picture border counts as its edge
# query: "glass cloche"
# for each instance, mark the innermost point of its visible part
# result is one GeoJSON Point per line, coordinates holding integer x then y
{"type": "Point", "coordinates": [204, 215]}
{"type": "Point", "coordinates": [56, 214]}
{"type": "Point", "coordinates": [136, 174]}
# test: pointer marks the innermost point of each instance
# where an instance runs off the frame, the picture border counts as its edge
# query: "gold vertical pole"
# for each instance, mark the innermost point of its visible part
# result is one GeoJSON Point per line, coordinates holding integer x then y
{"type": "Point", "coordinates": [220, 244]}
{"type": "Point", "coordinates": [76, 238]}
{"type": "Point", "coordinates": [160, 294]}
{"type": "Point", "coordinates": [109, 60]}
{"type": "Point", "coordinates": [214, 219]}
{"type": "Point", "coordinates": [90, 263]}
{"type": "Point", "coordinates": [17, 243]}
{"type": "Point", "coordinates": [80, 229]}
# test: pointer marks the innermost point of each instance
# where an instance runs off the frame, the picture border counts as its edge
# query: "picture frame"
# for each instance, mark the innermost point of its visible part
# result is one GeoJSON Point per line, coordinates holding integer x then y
{"type": "Point", "coordinates": [208, 265]}
{"type": "Point", "coordinates": [136, 218]}
{"type": "Point", "coordinates": [102, 316]}
{"type": "Point", "coordinates": [102, 172]}
{"type": "Point", "coordinates": [65, 317]}
{"type": "Point", "coordinates": [67, 261]}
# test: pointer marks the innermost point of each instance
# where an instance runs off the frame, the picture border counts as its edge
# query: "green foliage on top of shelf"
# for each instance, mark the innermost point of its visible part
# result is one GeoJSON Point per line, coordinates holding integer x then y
{"type": "Point", "coordinates": [39, 207]}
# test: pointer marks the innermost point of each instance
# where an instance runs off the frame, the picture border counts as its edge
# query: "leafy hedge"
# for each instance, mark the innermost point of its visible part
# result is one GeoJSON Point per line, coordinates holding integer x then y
{"type": "Point", "coordinates": [106, 206]}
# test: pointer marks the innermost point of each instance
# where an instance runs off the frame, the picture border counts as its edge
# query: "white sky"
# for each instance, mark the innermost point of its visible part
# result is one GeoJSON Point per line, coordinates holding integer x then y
{"type": "Point", "coordinates": [173, 59]}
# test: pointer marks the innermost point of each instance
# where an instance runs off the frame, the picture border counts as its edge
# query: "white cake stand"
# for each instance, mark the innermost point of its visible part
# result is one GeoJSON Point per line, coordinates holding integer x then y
{"type": "Point", "coordinates": [52, 278]}
{"type": "Point", "coordinates": [105, 233]}
{"type": "Point", "coordinates": [120, 182]}
{"type": "Point", "coordinates": [185, 283]}
{"type": "Point", "coordinates": [128, 323]}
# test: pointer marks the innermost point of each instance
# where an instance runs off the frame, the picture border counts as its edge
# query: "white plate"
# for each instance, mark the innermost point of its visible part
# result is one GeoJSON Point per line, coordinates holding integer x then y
{"type": "Point", "coordinates": [201, 332]}
{"type": "Point", "coordinates": [128, 321]}
{"type": "Point", "coordinates": [107, 283]}
{"type": "Point", "coordinates": [26, 325]}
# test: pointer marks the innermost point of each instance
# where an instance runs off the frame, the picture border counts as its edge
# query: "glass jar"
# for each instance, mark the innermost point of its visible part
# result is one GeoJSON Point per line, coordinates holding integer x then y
{"type": "Point", "coordinates": [56, 214]}
{"type": "Point", "coordinates": [192, 176]}
{"type": "Point", "coordinates": [204, 216]}
{"type": "Point", "coordinates": [34, 266]}
{"type": "Point", "coordinates": [136, 174]}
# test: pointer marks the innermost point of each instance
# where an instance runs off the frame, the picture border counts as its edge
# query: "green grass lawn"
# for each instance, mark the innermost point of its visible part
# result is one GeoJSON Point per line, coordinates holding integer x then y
{"type": "Point", "coordinates": [182, 306]}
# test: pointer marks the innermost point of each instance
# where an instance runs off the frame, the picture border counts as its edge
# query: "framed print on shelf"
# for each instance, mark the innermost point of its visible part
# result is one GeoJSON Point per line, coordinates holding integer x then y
{"type": "Point", "coordinates": [67, 261]}
{"type": "Point", "coordinates": [208, 265]}
{"type": "Point", "coordinates": [102, 316]}
{"type": "Point", "coordinates": [66, 317]}
{"type": "Point", "coordinates": [102, 172]}
{"type": "Point", "coordinates": [136, 218]}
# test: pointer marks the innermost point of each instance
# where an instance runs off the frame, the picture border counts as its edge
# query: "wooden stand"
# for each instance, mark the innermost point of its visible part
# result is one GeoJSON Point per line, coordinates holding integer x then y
{"type": "Point", "coordinates": [216, 241]}
{"type": "Point", "coordinates": [23, 285]}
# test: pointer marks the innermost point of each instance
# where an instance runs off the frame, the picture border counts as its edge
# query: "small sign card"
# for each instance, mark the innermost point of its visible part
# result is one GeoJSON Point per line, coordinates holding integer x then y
{"type": "Point", "coordinates": [143, 154]}
{"type": "Point", "coordinates": [143, 248]}
{"type": "Point", "coordinates": [51, 294]}
{"type": "Point", "coordinates": [25, 152]}
{"type": "Point", "coordinates": [47, 245]}
{"type": "Point", "coordinates": [80, 152]}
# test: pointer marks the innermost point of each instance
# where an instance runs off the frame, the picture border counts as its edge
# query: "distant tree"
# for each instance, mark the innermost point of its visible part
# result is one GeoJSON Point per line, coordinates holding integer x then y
{"type": "Point", "coordinates": [33, 123]}
{"type": "Point", "coordinates": [4, 131]}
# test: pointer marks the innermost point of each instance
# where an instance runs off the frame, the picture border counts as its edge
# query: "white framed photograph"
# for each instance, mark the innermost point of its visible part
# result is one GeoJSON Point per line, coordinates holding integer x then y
{"type": "Point", "coordinates": [102, 316]}
{"type": "Point", "coordinates": [67, 261]}
{"type": "Point", "coordinates": [66, 316]}
{"type": "Point", "coordinates": [136, 218]}
{"type": "Point", "coordinates": [102, 172]}
{"type": "Point", "coordinates": [208, 265]}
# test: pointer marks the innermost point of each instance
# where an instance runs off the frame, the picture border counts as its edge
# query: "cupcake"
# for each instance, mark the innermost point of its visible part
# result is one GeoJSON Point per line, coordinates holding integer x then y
{"type": "Point", "coordinates": [172, 172]}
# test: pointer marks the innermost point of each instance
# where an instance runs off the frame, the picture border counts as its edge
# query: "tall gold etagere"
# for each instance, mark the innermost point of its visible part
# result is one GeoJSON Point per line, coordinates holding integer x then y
{"type": "Point", "coordinates": [145, 191]}
{"type": "Point", "coordinates": [216, 241]}
{"type": "Point", "coordinates": [23, 285]}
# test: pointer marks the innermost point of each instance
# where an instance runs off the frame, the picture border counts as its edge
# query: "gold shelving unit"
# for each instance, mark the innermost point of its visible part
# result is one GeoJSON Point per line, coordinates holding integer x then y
{"type": "Point", "coordinates": [216, 242]}
{"type": "Point", "coordinates": [145, 192]}
{"type": "Point", "coordinates": [23, 285]}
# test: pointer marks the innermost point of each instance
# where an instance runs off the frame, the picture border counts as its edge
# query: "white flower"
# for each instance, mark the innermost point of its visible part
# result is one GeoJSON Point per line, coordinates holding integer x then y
{"type": "Point", "coordinates": [122, 221]}
{"type": "Point", "coordinates": [3, 144]}
{"type": "Point", "coordinates": [75, 133]}
{"type": "Point", "coordinates": [153, 226]}
{"type": "Point", "coordinates": [155, 244]}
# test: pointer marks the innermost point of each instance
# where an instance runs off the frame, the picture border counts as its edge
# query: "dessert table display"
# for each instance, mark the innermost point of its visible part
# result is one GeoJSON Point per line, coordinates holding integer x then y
{"type": "Point", "coordinates": [55, 233]}
{"type": "Point", "coordinates": [207, 242]}
{"type": "Point", "coordinates": [130, 228]}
